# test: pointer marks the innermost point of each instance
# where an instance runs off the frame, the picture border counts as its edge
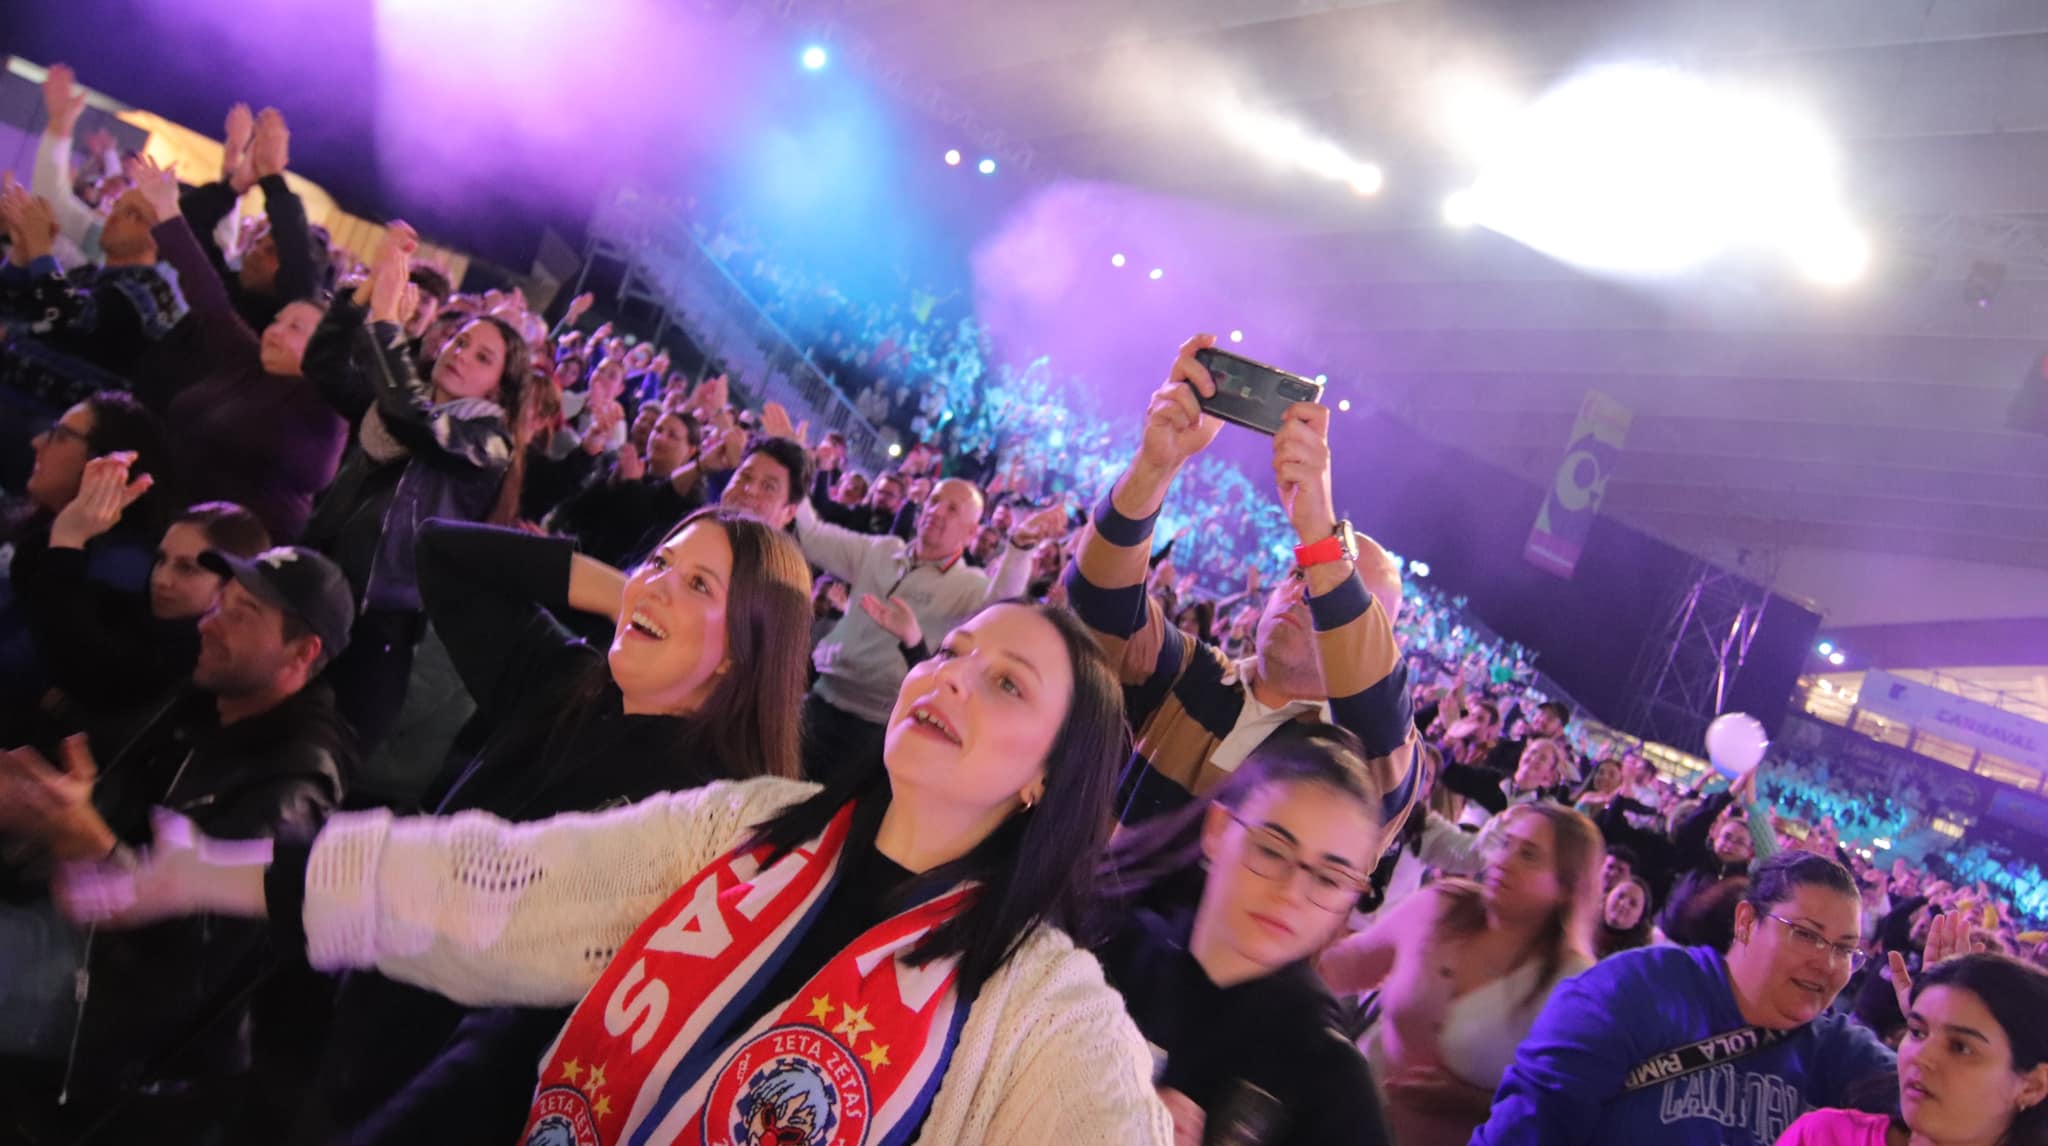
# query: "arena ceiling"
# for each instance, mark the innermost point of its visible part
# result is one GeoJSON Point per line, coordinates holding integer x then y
{"type": "Point", "coordinates": [1795, 431]}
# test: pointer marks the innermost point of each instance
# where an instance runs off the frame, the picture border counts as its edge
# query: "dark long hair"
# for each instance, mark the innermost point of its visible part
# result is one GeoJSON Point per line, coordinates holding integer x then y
{"type": "Point", "coordinates": [120, 422]}
{"type": "Point", "coordinates": [1037, 868]}
{"type": "Point", "coordinates": [515, 379]}
{"type": "Point", "coordinates": [1158, 863]}
{"type": "Point", "coordinates": [2016, 994]}
{"type": "Point", "coordinates": [1612, 939]}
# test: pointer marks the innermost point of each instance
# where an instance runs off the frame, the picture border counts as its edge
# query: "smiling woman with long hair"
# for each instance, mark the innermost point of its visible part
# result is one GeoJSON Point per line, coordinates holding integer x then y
{"type": "Point", "coordinates": [700, 681]}
{"type": "Point", "coordinates": [885, 955]}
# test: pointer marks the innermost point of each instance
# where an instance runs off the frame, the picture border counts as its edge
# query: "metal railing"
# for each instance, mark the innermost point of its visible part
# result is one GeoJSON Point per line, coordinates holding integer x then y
{"type": "Point", "coordinates": [703, 298]}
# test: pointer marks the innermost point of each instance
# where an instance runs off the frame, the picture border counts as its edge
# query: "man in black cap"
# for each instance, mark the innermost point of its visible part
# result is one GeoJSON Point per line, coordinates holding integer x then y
{"type": "Point", "coordinates": [253, 748]}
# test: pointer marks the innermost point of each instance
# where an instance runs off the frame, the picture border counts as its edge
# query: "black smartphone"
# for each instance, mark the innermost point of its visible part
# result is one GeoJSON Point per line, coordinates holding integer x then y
{"type": "Point", "coordinates": [1253, 394]}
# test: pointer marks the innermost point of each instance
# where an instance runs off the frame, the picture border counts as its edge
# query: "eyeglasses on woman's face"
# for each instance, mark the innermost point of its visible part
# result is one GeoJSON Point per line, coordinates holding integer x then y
{"type": "Point", "coordinates": [1807, 939]}
{"type": "Point", "coordinates": [1271, 855]}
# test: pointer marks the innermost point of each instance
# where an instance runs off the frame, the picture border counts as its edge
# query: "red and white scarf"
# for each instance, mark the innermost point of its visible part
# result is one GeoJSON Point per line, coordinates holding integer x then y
{"type": "Point", "coordinates": [855, 1058]}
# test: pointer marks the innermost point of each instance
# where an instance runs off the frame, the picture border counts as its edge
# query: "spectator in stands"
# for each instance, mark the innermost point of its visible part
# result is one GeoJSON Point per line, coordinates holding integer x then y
{"type": "Point", "coordinates": [1716, 842]}
{"type": "Point", "coordinates": [701, 682]}
{"type": "Point", "coordinates": [595, 416]}
{"type": "Point", "coordinates": [1624, 917]}
{"type": "Point", "coordinates": [254, 749]}
{"type": "Point", "coordinates": [1539, 774]}
{"type": "Point", "coordinates": [1973, 1066]}
{"type": "Point", "coordinates": [1465, 968]}
{"type": "Point", "coordinates": [1211, 932]}
{"type": "Point", "coordinates": [1637, 1048]}
{"type": "Point", "coordinates": [620, 514]}
{"type": "Point", "coordinates": [247, 425]}
{"type": "Point", "coordinates": [444, 447]}
{"type": "Point", "coordinates": [921, 587]}
{"type": "Point", "coordinates": [434, 290]}
{"type": "Point", "coordinates": [286, 259]}
{"type": "Point", "coordinates": [769, 483]}
{"type": "Point", "coordinates": [1008, 740]}
{"type": "Point", "coordinates": [110, 526]}
{"type": "Point", "coordinates": [1325, 640]}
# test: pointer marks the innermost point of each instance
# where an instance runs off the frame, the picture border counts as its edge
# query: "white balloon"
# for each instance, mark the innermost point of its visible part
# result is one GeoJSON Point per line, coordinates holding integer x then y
{"type": "Point", "coordinates": [1736, 743]}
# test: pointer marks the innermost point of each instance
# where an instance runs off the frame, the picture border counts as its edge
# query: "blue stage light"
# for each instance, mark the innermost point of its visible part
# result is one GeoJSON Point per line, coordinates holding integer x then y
{"type": "Point", "coordinates": [814, 57]}
{"type": "Point", "coordinates": [987, 167]}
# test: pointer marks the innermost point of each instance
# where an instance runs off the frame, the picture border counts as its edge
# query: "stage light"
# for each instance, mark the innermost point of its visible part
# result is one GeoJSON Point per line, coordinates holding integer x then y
{"type": "Point", "coordinates": [814, 57]}
{"type": "Point", "coordinates": [1419, 568]}
{"type": "Point", "coordinates": [1344, 405]}
{"type": "Point", "coordinates": [953, 157]}
{"type": "Point", "coordinates": [1157, 274]}
{"type": "Point", "coordinates": [1835, 253]}
{"type": "Point", "coordinates": [1642, 170]}
{"type": "Point", "coordinates": [1237, 336]}
{"type": "Point", "coordinates": [895, 450]}
{"type": "Point", "coordinates": [986, 167]}
{"type": "Point", "coordinates": [1461, 208]}
{"type": "Point", "coordinates": [1322, 379]}
{"type": "Point", "coordinates": [1116, 260]}
{"type": "Point", "coordinates": [1367, 179]}
{"type": "Point", "coordinates": [1827, 647]}
{"type": "Point", "coordinates": [1836, 658]}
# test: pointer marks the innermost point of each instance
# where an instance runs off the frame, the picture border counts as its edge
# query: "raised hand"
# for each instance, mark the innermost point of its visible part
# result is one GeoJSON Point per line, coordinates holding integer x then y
{"type": "Point", "coordinates": [1301, 467]}
{"type": "Point", "coordinates": [384, 291]}
{"type": "Point", "coordinates": [1042, 525]}
{"type": "Point", "coordinates": [775, 421]}
{"type": "Point", "coordinates": [63, 100]}
{"type": "Point", "coordinates": [236, 134]}
{"type": "Point", "coordinates": [603, 420]}
{"type": "Point", "coordinates": [578, 307]}
{"type": "Point", "coordinates": [183, 873]}
{"type": "Point", "coordinates": [1176, 429]}
{"type": "Point", "coordinates": [1948, 936]}
{"type": "Point", "coordinates": [631, 468]}
{"type": "Point", "coordinates": [54, 804]}
{"type": "Point", "coordinates": [270, 152]}
{"type": "Point", "coordinates": [104, 494]}
{"type": "Point", "coordinates": [31, 225]}
{"type": "Point", "coordinates": [159, 185]}
{"type": "Point", "coordinates": [895, 618]}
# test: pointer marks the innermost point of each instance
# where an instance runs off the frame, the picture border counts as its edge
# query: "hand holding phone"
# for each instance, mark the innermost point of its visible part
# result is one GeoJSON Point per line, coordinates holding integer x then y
{"type": "Point", "coordinates": [1176, 428]}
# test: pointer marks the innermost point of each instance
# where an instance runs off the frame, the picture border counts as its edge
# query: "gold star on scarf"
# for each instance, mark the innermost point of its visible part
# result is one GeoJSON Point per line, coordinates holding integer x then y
{"type": "Point", "coordinates": [853, 1023]}
{"type": "Point", "coordinates": [821, 1008]}
{"type": "Point", "coordinates": [594, 1080]}
{"type": "Point", "coordinates": [603, 1108]}
{"type": "Point", "coordinates": [572, 1070]}
{"type": "Point", "coordinates": [877, 1056]}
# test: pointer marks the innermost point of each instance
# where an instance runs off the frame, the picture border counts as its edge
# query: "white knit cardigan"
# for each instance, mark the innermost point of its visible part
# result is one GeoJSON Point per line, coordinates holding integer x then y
{"type": "Point", "coordinates": [491, 913]}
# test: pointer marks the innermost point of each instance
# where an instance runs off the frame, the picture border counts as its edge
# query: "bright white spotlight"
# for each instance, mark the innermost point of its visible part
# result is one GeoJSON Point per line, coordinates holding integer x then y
{"type": "Point", "coordinates": [1344, 405]}
{"type": "Point", "coordinates": [1836, 658]}
{"type": "Point", "coordinates": [952, 157]}
{"type": "Point", "coordinates": [1827, 647]}
{"type": "Point", "coordinates": [1157, 274]}
{"type": "Point", "coordinates": [1116, 260]}
{"type": "Point", "coordinates": [1367, 179]}
{"type": "Point", "coordinates": [1461, 208]}
{"type": "Point", "coordinates": [814, 57]}
{"type": "Point", "coordinates": [986, 167]}
{"type": "Point", "coordinates": [1475, 113]}
{"type": "Point", "coordinates": [1833, 254]}
{"type": "Point", "coordinates": [1237, 336]}
{"type": "Point", "coordinates": [1644, 170]}
{"type": "Point", "coordinates": [1419, 568]}
{"type": "Point", "coordinates": [1322, 379]}
{"type": "Point", "coordinates": [895, 450]}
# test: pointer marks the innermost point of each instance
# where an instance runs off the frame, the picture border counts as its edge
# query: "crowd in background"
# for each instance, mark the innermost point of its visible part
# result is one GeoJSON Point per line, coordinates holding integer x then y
{"type": "Point", "coordinates": [308, 554]}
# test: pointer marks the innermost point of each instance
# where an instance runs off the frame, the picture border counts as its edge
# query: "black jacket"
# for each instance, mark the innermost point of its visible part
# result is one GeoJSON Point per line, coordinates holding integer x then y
{"type": "Point", "coordinates": [492, 594]}
{"type": "Point", "coordinates": [162, 1000]}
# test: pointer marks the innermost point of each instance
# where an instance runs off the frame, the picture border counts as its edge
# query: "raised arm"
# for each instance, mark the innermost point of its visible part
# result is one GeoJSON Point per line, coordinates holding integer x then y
{"type": "Point", "coordinates": [482, 911]}
{"type": "Point", "coordinates": [224, 336]}
{"type": "Point", "coordinates": [64, 102]}
{"type": "Point", "coordinates": [269, 155]}
{"type": "Point", "coordinates": [838, 551]}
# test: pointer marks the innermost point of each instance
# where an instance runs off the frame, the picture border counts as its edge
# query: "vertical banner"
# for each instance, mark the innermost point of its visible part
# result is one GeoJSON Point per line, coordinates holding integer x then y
{"type": "Point", "coordinates": [1559, 535]}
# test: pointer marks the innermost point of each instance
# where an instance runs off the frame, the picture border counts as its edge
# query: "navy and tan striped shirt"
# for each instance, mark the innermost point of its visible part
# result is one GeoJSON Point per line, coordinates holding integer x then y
{"type": "Point", "coordinates": [1184, 696]}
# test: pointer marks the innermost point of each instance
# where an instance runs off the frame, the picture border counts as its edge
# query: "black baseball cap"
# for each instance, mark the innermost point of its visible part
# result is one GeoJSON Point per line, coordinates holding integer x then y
{"type": "Point", "coordinates": [299, 581]}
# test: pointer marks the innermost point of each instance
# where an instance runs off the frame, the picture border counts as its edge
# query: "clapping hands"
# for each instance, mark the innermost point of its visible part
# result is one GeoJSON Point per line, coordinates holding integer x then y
{"type": "Point", "coordinates": [104, 494]}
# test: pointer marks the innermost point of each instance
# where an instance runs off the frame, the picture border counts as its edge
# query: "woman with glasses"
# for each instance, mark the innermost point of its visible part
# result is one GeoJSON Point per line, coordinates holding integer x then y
{"type": "Point", "coordinates": [1683, 1046]}
{"type": "Point", "coordinates": [1464, 968]}
{"type": "Point", "coordinates": [1214, 912]}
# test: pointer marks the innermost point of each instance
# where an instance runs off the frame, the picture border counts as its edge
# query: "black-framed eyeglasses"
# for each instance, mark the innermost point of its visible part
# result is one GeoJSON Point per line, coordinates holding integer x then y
{"type": "Point", "coordinates": [1813, 940]}
{"type": "Point", "coordinates": [1269, 855]}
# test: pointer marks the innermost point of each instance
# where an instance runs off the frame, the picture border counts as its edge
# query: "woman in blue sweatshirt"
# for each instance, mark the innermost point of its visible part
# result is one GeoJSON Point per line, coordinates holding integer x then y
{"type": "Point", "coordinates": [1685, 1046]}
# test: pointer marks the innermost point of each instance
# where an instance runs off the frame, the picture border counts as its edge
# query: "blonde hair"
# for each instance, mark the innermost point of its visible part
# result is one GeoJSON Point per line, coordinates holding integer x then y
{"type": "Point", "coordinates": [1576, 850]}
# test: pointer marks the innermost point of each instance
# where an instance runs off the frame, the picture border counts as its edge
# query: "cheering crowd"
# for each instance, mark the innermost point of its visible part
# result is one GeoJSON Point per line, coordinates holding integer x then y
{"type": "Point", "coordinates": [431, 723]}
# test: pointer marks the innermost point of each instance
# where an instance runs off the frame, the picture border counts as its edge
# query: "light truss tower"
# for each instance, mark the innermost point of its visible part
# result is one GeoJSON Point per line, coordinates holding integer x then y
{"type": "Point", "coordinates": [1682, 676]}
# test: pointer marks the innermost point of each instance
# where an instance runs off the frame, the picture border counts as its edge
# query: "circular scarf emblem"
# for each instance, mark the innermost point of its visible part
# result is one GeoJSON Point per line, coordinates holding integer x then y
{"type": "Point", "coordinates": [561, 1117]}
{"type": "Point", "coordinates": [790, 1086]}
